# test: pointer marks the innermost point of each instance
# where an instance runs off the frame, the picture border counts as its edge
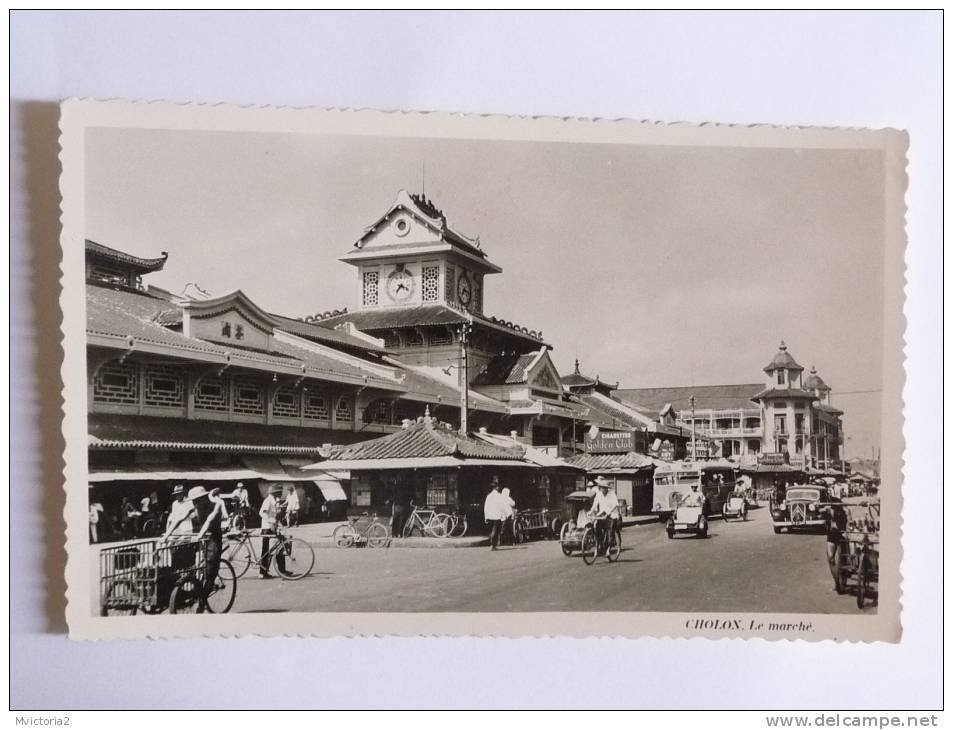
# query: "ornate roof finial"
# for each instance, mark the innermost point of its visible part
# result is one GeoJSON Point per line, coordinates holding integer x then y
{"type": "Point", "coordinates": [783, 346]}
{"type": "Point", "coordinates": [577, 366]}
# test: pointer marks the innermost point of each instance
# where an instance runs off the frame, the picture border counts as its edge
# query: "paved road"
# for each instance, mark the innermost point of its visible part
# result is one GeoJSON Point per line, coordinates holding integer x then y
{"type": "Point", "coordinates": [742, 566]}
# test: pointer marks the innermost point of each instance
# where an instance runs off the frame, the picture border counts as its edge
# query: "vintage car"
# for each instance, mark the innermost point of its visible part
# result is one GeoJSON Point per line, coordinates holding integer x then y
{"type": "Point", "coordinates": [804, 506]}
{"type": "Point", "coordinates": [687, 520]}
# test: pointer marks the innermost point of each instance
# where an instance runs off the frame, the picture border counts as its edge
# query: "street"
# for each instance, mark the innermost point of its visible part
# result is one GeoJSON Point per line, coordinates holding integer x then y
{"type": "Point", "coordinates": [742, 566]}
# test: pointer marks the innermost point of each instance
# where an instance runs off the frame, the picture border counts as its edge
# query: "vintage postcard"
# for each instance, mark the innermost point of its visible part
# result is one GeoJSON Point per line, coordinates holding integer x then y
{"type": "Point", "coordinates": [336, 372]}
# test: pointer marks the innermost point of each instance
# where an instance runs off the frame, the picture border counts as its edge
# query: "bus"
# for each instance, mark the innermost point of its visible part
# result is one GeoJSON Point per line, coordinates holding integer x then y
{"type": "Point", "coordinates": [715, 479]}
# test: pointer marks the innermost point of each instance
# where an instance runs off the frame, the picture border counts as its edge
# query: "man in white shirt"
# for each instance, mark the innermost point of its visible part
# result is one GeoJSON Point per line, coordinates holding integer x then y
{"type": "Point", "coordinates": [495, 512]}
{"type": "Point", "coordinates": [177, 525]}
{"type": "Point", "coordinates": [293, 505]}
{"type": "Point", "coordinates": [269, 524]}
{"type": "Point", "coordinates": [605, 512]}
{"type": "Point", "coordinates": [693, 499]}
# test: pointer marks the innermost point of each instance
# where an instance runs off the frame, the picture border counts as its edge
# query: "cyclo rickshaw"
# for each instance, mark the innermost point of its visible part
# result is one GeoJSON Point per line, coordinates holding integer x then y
{"type": "Point", "coordinates": [735, 506]}
{"type": "Point", "coordinates": [856, 554]}
{"type": "Point", "coordinates": [579, 532]}
{"type": "Point", "coordinates": [152, 576]}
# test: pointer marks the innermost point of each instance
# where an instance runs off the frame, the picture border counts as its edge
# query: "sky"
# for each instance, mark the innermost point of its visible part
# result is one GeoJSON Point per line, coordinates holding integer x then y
{"type": "Point", "coordinates": [654, 265]}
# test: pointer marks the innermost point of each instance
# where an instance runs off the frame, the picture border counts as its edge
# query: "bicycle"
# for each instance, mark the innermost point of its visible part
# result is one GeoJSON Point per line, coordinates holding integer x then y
{"type": "Point", "coordinates": [611, 545]}
{"type": "Point", "coordinates": [457, 524]}
{"type": "Point", "coordinates": [375, 534]}
{"type": "Point", "coordinates": [292, 557]}
{"type": "Point", "coordinates": [426, 522]}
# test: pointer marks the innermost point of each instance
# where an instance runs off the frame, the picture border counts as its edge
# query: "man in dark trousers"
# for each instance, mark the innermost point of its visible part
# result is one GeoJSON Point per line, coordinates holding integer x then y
{"type": "Point", "coordinates": [495, 512]}
{"type": "Point", "coordinates": [400, 508]}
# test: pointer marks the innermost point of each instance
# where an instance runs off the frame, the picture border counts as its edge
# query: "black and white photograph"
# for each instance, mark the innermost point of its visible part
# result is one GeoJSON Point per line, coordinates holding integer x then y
{"type": "Point", "coordinates": [430, 374]}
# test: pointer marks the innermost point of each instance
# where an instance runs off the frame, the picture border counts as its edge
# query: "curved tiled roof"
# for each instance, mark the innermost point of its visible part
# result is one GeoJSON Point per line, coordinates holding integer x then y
{"type": "Point", "coordinates": [127, 259]}
{"type": "Point", "coordinates": [612, 462]}
{"type": "Point", "coordinates": [425, 439]}
{"type": "Point", "coordinates": [782, 359]}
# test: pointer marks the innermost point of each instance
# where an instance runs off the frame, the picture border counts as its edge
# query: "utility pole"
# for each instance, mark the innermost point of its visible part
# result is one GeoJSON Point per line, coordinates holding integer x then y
{"type": "Point", "coordinates": [465, 384]}
{"type": "Point", "coordinates": [694, 450]}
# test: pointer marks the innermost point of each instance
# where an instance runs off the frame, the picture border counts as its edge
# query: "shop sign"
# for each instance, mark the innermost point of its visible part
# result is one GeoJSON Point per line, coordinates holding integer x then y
{"type": "Point", "coordinates": [772, 458]}
{"type": "Point", "coordinates": [667, 451]}
{"type": "Point", "coordinates": [610, 442]}
{"type": "Point", "coordinates": [702, 450]}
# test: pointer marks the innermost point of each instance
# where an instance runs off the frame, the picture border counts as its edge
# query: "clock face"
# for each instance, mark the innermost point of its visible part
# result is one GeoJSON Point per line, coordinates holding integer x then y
{"type": "Point", "coordinates": [400, 285]}
{"type": "Point", "coordinates": [464, 291]}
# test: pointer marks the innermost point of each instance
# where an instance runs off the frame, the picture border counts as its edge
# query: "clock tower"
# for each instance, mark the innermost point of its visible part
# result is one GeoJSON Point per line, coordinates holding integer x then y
{"type": "Point", "coordinates": [411, 257]}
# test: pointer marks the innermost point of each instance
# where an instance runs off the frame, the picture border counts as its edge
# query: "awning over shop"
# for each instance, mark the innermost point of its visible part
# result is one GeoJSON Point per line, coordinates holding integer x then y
{"type": "Point", "coordinates": [331, 490]}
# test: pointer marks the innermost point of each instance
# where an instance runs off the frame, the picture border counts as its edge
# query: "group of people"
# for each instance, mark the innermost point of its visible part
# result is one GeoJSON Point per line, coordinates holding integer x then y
{"type": "Point", "coordinates": [605, 513]}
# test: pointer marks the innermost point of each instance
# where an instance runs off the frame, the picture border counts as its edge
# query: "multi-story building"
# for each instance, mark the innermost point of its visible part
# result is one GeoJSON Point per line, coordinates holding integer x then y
{"type": "Point", "coordinates": [782, 415]}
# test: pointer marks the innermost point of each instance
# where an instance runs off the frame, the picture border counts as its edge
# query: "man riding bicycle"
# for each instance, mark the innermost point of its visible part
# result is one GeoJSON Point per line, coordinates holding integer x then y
{"type": "Point", "coordinates": [605, 513]}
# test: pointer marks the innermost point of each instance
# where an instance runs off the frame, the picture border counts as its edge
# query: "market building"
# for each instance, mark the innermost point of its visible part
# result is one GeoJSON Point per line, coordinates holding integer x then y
{"type": "Point", "coordinates": [420, 289]}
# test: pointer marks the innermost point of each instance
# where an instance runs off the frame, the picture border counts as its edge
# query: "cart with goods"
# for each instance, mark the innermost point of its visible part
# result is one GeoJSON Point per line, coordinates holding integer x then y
{"type": "Point", "coordinates": [151, 576]}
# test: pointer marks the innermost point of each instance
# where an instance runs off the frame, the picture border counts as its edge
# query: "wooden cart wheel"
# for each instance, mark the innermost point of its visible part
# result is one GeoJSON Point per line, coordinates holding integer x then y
{"type": "Point", "coordinates": [564, 539]}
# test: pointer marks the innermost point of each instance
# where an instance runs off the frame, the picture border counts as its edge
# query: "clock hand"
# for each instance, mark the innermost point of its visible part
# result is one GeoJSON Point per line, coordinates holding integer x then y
{"type": "Point", "coordinates": [401, 286]}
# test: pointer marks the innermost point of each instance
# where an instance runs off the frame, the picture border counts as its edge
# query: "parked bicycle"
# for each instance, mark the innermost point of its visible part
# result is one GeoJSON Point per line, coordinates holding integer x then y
{"type": "Point", "coordinates": [457, 524]}
{"type": "Point", "coordinates": [291, 557]}
{"type": "Point", "coordinates": [426, 522]}
{"type": "Point", "coordinates": [363, 530]}
{"type": "Point", "coordinates": [152, 576]}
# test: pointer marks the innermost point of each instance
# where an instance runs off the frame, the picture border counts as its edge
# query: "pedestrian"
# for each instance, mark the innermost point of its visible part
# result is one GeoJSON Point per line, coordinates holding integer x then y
{"type": "Point", "coordinates": [95, 510]}
{"type": "Point", "coordinates": [400, 508]}
{"type": "Point", "coordinates": [269, 513]}
{"type": "Point", "coordinates": [207, 520]}
{"type": "Point", "coordinates": [509, 509]}
{"type": "Point", "coordinates": [127, 518]}
{"type": "Point", "coordinates": [145, 505]}
{"type": "Point", "coordinates": [495, 511]}
{"type": "Point", "coordinates": [293, 505]}
{"type": "Point", "coordinates": [175, 525]}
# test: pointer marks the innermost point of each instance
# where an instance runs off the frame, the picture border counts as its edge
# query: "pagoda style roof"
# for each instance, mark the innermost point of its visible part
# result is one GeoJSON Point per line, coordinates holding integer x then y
{"type": "Point", "coordinates": [508, 369]}
{"type": "Point", "coordinates": [611, 463]}
{"type": "Point", "coordinates": [98, 251]}
{"type": "Point", "coordinates": [426, 438]}
{"type": "Point", "coordinates": [611, 412]}
{"type": "Point", "coordinates": [426, 315]}
{"type": "Point", "coordinates": [814, 381]}
{"type": "Point", "coordinates": [310, 330]}
{"type": "Point", "coordinates": [577, 380]}
{"type": "Point", "coordinates": [781, 360]}
{"type": "Point", "coordinates": [829, 409]}
{"type": "Point", "coordinates": [134, 320]}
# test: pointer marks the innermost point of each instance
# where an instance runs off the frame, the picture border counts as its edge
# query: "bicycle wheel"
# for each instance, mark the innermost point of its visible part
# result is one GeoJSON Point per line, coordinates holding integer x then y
{"type": "Point", "coordinates": [186, 597]}
{"type": "Point", "coordinates": [221, 595]}
{"type": "Point", "coordinates": [436, 529]}
{"type": "Point", "coordinates": [519, 535]}
{"type": "Point", "coordinates": [377, 536]}
{"type": "Point", "coordinates": [445, 522]}
{"type": "Point", "coordinates": [299, 558]}
{"type": "Point", "coordinates": [863, 585]}
{"type": "Point", "coordinates": [590, 546]}
{"type": "Point", "coordinates": [148, 528]}
{"type": "Point", "coordinates": [122, 599]}
{"type": "Point", "coordinates": [343, 536]}
{"type": "Point", "coordinates": [239, 555]}
{"type": "Point", "coordinates": [564, 539]}
{"type": "Point", "coordinates": [411, 529]}
{"type": "Point", "coordinates": [458, 526]}
{"type": "Point", "coordinates": [615, 546]}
